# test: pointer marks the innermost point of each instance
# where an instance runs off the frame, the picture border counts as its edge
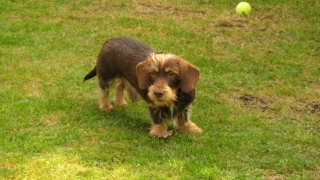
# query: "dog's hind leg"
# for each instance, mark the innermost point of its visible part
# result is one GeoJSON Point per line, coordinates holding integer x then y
{"type": "Point", "coordinates": [103, 93]}
{"type": "Point", "coordinates": [104, 101]}
{"type": "Point", "coordinates": [119, 98]}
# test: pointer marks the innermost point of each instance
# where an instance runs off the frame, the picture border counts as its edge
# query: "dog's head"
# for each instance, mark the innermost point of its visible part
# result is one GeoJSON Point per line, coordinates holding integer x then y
{"type": "Point", "coordinates": [163, 74]}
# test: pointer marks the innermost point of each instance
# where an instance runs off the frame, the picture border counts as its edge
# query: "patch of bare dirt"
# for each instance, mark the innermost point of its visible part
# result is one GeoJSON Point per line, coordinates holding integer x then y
{"type": "Point", "coordinates": [255, 101]}
{"type": "Point", "coordinates": [311, 107]}
{"type": "Point", "coordinates": [146, 8]}
{"type": "Point", "coordinates": [302, 106]}
{"type": "Point", "coordinates": [314, 107]}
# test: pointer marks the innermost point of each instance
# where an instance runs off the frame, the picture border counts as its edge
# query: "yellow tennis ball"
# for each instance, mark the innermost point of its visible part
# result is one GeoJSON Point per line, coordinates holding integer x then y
{"type": "Point", "coordinates": [243, 8]}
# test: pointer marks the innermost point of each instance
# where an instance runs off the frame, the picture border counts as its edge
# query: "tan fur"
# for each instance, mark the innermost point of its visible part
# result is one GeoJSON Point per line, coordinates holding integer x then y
{"type": "Point", "coordinates": [160, 130]}
{"type": "Point", "coordinates": [189, 75]}
{"type": "Point", "coordinates": [119, 98]}
{"type": "Point", "coordinates": [104, 101]}
{"type": "Point", "coordinates": [154, 64]}
{"type": "Point", "coordinates": [188, 126]}
{"type": "Point", "coordinates": [169, 95]}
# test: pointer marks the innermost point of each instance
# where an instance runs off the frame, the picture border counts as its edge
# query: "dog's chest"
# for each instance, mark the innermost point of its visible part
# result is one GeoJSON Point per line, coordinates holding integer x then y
{"type": "Point", "coordinates": [165, 112]}
{"type": "Point", "coordinates": [168, 112]}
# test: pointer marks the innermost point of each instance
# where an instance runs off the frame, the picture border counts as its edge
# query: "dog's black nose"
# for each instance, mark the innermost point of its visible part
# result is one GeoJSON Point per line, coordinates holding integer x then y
{"type": "Point", "coordinates": [158, 93]}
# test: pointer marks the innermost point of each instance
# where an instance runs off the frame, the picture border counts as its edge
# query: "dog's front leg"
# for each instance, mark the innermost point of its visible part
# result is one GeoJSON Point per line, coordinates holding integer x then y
{"type": "Point", "coordinates": [182, 120]}
{"type": "Point", "coordinates": [159, 127]}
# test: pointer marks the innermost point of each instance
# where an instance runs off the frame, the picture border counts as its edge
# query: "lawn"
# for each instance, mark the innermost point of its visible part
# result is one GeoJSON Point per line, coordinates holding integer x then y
{"type": "Point", "coordinates": [258, 98]}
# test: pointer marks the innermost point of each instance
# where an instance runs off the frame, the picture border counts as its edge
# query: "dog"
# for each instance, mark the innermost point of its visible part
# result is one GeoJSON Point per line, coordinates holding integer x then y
{"type": "Point", "coordinates": [165, 81]}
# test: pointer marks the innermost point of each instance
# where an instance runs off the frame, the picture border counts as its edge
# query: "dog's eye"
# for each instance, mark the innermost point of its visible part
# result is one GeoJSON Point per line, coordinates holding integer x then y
{"type": "Point", "coordinates": [153, 74]}
{"type": "Point", "coordinates": [170, 74]}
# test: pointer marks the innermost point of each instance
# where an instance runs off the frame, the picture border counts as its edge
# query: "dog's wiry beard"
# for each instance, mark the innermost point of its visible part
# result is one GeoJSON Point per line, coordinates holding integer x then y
{"type": "Point", "coordinates": [168, 98]}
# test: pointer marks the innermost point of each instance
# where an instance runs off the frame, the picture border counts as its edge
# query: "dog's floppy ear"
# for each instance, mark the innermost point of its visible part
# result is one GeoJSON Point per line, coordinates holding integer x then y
{"type": "Point", "coordinates": [189, 76]}
{"type": "Point", "coordinates": [142, 74]}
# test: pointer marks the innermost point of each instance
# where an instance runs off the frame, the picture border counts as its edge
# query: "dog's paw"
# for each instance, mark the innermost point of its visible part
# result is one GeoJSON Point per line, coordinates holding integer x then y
{"type": "Point", "coordinates": [163, 135]}
{"type": "Point", "coordinates": [167, 134]}
{"type": "Point", "coordinates": [120, 102]}
{"type": "Point", "coordinates": [192, 127]}
{"type": "Point", "coordinates": [106, 108]}
{"type": "Point", "coordinates": [160, 131]}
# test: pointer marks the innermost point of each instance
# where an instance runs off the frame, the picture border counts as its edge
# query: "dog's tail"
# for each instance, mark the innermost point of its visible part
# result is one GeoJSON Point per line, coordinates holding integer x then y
{"type": "Point", "coordinates": [91, 74]}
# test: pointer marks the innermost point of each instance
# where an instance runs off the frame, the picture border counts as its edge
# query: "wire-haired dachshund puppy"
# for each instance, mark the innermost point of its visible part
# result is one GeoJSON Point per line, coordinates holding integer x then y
{"type": "Point", "coordinates": [165, 81]}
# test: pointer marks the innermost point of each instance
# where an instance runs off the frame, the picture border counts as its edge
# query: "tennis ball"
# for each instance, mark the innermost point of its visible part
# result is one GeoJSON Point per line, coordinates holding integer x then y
{"type": "Point", "coordinates": [243, 8]}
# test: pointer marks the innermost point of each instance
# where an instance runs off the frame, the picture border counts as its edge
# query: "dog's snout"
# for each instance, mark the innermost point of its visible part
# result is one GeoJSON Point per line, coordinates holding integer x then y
{"type": "Point", "coordinates": [158, 93]}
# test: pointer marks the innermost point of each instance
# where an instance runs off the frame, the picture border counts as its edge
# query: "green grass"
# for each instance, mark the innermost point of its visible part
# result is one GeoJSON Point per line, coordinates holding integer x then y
{"type": "Point", "coordinates": [257, 101]}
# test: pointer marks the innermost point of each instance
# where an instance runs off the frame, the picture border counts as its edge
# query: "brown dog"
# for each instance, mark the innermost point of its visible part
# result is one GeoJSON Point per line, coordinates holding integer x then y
{"type": "Point", "coordinates": [165, 81]}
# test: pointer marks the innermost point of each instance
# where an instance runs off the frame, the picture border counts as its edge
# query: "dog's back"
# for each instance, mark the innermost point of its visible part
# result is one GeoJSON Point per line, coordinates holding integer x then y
{"type": "Point", "coordinates": [118, 58]}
